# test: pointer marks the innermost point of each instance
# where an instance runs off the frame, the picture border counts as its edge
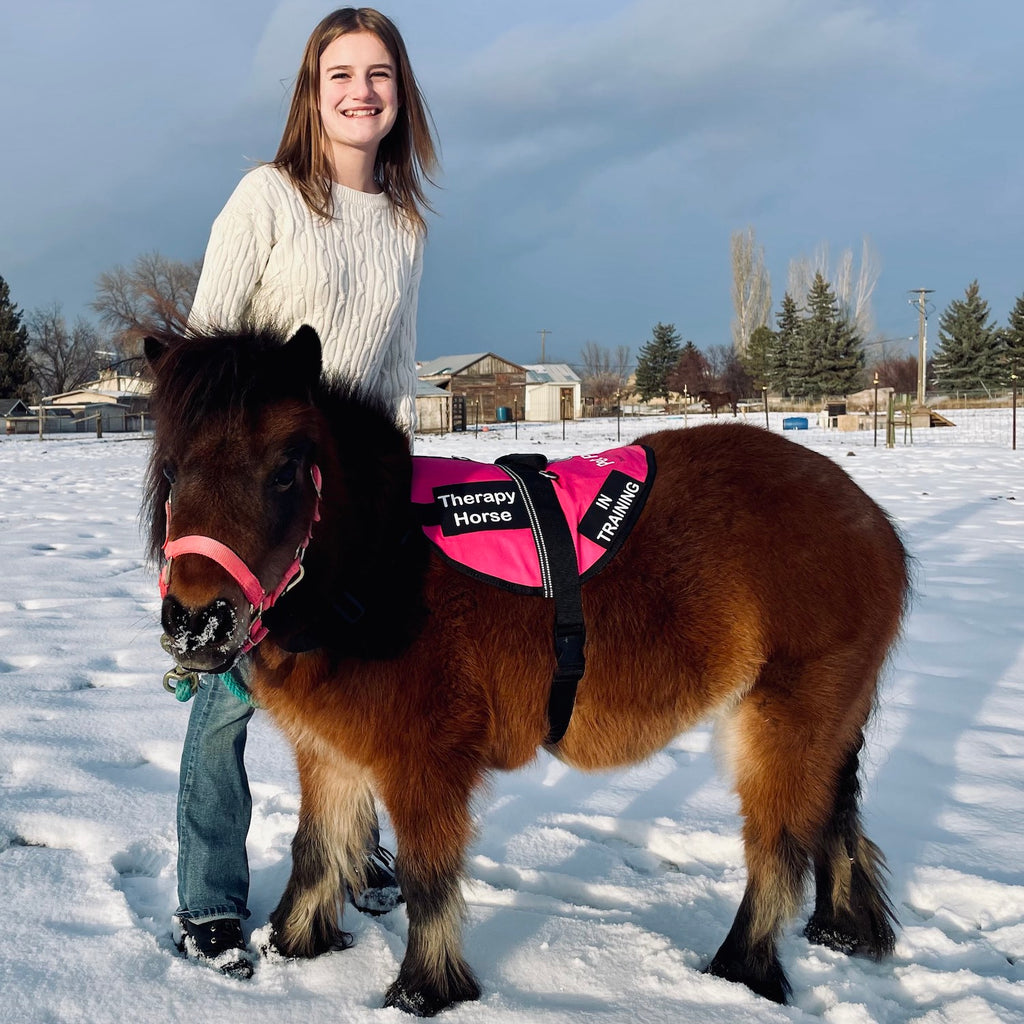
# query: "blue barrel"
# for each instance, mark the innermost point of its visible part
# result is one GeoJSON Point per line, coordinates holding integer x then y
{"type": "Point", "coordinates": [504, 414]}
{"type": "Point", "coordinates": [794, 423]}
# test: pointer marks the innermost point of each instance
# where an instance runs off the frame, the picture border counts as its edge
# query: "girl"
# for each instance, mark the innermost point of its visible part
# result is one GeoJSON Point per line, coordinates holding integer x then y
{"type": "Point", "coordinates": [329, 234]}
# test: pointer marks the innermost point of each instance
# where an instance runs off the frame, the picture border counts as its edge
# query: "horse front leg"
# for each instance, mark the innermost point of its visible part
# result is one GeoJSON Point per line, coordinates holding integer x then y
{"type": "Point", "coordinates": [432, 826]}
{"type": "Point", "coordinates": [328, 851]}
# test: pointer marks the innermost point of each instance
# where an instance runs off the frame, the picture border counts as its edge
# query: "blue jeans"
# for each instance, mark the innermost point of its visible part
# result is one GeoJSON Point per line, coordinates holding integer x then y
{"type": "Point", "coordinates": [215, 805]}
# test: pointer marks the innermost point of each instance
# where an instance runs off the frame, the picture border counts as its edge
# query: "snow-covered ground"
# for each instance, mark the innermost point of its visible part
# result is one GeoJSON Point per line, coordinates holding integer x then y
{"type": "Point", "coordinates": [595, 898]}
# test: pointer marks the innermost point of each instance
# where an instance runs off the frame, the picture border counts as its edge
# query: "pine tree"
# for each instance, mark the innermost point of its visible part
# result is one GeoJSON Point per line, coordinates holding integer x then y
{"type": "Point", "coordinates": [15, 367]}
{"type": "Point", "coordinates": [832, 353]}
{"type": "Point", "coordinates": [969, 354]}
{"type": "Point", "coordinates": [758, 359]}
{"type": "Point", "coordinates": [1014, 338]}
{"type": "Point", "coordinates": [780, 360]}
{"type": "Point", "coordinates": [657, 359]}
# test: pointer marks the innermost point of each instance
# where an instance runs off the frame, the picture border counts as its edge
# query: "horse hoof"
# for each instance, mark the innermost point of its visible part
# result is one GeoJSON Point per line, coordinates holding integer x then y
{"type": "Point", "coordinates": [417, 1004]}
{"type": "Point", "coordinates": [770, 982]}
{"type": "Point", "coordinates": [274, 947]}
{"type": "Point", "coordinates": [833, 936]}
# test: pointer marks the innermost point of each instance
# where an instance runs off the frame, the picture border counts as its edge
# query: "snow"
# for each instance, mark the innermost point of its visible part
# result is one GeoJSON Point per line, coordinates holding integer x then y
{"type": "Point", "coordinates": [593, 898]}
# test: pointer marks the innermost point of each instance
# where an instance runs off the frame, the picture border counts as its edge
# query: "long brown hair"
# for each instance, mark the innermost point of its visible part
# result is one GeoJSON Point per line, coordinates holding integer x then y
{"type": "Point", "coordinates": [406, 156]}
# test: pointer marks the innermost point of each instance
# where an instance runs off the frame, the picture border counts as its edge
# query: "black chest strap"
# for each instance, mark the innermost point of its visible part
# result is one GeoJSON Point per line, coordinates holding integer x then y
{"type": "Point", "coordinates": [560, 570]}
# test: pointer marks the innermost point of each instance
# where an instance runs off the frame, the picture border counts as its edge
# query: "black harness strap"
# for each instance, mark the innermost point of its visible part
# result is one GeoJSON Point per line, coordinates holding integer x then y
{"type": "Point", "coordinates": [556, 543]}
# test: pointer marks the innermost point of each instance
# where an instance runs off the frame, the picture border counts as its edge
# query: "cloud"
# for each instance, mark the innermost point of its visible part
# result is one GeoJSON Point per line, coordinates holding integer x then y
{"type": "Point", "coordinates": [660, 72]}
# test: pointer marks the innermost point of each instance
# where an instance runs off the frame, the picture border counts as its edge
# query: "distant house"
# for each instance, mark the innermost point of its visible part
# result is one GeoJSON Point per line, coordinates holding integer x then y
{"type": "Point", "coordinates": [484, 387]}
{"type": "Point", "coordinates": [553, 392]}
{"type": "Point", "coordinates": [13, 412]}
{"type": "Point", "coordinates": [119, 401]}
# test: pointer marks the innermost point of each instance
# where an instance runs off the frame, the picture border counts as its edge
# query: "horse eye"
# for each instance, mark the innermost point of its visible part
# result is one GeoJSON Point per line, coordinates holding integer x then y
{"type": "Point", "coordinates": [168, 470]}
{"type": "Point", "coordinates": [285, 476]}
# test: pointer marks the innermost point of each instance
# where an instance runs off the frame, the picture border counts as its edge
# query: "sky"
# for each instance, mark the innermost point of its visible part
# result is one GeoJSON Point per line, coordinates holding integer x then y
{"type": "Point", "coordinates": [591, 898]}
{"type": "Point", "coordinates": [597, 154]}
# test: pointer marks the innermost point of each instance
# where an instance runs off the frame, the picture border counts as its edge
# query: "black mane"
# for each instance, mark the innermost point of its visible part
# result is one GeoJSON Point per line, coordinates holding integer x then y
{"type": "Point", "coordinates": [222, 371]}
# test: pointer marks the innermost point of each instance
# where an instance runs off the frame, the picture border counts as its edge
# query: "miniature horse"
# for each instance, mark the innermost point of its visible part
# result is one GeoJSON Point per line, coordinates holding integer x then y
{"type": "Point", "coordinates": [393, 673]}
{"type": "Point", "coordinates": [714, 400]}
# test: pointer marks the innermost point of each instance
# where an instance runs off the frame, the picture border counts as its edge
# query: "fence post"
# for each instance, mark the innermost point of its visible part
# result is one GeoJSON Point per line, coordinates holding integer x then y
{"type": "Point", "coordinates": [1013, 378]}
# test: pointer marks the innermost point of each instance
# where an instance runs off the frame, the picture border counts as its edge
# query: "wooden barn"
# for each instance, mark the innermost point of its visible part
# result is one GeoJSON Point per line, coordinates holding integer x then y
{"type": "Point", "coordinates": [484, 387]}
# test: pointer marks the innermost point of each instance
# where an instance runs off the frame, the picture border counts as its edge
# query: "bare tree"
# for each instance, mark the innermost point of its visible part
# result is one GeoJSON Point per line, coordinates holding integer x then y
{"type": "Point", "coordinates": [852, 285]}
{"type": "Point", "coordinates": [605, 374]}
{"type": "Point", "coordinates": [62, 358]}
{"type": "Point", "coordinates": [897, 372]}
{"type": "Point", "coordinates": [751, 288]}
{"type": "Point", "coordinates": [804, 269]}
{"type": "Point", "coordinates": [727, 371]}
{"type": "Point", "coordinates": [692, 373]}
{"type": "Point", "coordinates": [867, 278]}
{"type": "Point", "coordinates": [154, 295]}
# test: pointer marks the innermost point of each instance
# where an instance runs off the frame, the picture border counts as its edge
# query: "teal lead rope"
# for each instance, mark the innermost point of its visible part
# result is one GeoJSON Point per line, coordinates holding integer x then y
{"type": "Point", "coordinates": [185, 688]}
{"type": "Point", "coordinates": [183, 684]}
{"type": "Point", "coordinates": [238, 688]}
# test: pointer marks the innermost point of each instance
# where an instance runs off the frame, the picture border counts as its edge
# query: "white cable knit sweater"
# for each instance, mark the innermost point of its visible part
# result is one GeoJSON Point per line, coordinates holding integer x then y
{"type": "Point", "coordinates": [355, 278]}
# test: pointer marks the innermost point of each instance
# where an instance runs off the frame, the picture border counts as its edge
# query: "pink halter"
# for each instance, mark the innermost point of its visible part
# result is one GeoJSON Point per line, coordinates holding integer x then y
{"type": "Point", "coordinates": [259, 599]}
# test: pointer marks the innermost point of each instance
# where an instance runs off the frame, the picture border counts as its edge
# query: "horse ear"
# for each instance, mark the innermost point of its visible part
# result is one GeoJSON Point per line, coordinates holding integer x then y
{"type": "Point", "coordinates": [155, 350]}
{"type": "Point", "coordinates": [304, 352]}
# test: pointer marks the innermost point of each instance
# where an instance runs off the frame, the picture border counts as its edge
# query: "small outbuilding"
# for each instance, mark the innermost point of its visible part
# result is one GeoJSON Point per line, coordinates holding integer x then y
{"type": "Point", "coordinates": [433, 409]}
{"type": "Point", "coordinates": [554, 392]}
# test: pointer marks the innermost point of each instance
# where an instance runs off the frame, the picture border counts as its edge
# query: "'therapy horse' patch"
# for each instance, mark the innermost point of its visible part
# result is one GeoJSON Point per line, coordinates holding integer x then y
{"type": "Point", "coordinates": [482, 518]}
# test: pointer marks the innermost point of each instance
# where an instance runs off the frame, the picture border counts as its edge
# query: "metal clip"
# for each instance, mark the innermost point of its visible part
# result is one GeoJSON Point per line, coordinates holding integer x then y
{"type": "Point", "coordinates": [178, 681]}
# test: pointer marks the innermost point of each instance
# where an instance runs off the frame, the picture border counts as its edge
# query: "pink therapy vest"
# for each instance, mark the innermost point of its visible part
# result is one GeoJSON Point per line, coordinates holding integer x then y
{"type": "Point", "coordinates": [482, 520]}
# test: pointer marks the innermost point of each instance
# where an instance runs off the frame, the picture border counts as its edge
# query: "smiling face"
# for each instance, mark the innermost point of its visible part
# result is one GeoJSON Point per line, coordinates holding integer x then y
{"type": "Point", "coordinates": [358, 99]}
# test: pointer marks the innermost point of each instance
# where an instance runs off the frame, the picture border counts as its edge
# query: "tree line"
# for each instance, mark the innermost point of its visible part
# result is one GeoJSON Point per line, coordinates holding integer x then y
{"type": "Point", "coordinates": [817, 347]}
{"type": "Point", "coordinates": [816, 351]}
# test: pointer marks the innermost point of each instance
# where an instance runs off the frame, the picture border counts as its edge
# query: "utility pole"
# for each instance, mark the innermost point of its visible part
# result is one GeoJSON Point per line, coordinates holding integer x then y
{"type": "Point", "coordinates": [544, 332]}
{"type": "Point", "coordinates": [922, 341]}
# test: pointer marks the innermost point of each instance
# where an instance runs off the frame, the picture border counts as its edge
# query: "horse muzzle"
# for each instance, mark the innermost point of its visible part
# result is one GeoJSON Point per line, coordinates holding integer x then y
{"type": "Point", "coordinates": [211, 638]}
{"type": "Point", "coordinates": [206, 639]}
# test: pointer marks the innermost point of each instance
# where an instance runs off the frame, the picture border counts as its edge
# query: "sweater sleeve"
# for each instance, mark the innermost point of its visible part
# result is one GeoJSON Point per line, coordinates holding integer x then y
{"type": "Point", "coordinates": [399, 369]}
{"type": "Point", "coordinates": [236, 256]}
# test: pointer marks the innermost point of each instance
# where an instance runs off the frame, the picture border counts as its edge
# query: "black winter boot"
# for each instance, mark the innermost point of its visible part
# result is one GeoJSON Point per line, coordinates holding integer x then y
{"type": "Point", "coordinates": [382, 893]}
{"type": "Point", "coordinates": [218, 944]}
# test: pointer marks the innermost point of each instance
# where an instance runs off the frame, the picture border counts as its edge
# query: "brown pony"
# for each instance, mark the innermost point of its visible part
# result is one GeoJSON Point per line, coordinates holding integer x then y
{"type": "Point", "coordinates": [393, 673]}
{"type": "Point", "coordinates": [715, 400]}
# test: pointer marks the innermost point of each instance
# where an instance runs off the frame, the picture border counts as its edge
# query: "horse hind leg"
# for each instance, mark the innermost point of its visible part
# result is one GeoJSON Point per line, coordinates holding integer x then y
{"type": "Point", "coordinates": [776, 868]}
{"type": "Point", "coordinates": [328, 852]}
{"type": "Point", "coordinates": [788, 746]}
{"type": "Point", "coordinates": [852, 912]}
